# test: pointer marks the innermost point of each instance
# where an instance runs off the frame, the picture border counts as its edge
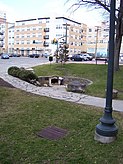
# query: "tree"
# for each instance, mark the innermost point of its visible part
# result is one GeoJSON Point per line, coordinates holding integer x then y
{"type": "Point", "coordinates": [105, 5]}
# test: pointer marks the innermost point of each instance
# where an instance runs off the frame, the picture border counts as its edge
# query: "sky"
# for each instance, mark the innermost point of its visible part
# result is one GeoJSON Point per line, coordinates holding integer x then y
{"type": "Point", "coordinates": [26, 9]}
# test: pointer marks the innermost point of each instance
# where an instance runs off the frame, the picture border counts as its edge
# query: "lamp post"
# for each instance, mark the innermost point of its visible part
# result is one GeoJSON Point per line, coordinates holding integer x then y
{"type": "Point", "coordinates": [106, 131]}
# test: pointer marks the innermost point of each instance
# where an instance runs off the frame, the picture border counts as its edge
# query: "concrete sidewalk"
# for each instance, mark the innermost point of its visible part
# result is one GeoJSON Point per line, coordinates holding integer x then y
{"type": "Point", "coordinates": [59, 92]}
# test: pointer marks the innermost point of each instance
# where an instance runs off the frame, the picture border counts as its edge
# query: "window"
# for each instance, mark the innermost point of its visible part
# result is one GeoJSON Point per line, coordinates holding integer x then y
{"type": "Point", "coordinates": [39, 35]}
{"type": "Point", "coordinates": [33, 35]}
{"type": "Point", "coordinates": [34, 28]}
{"type": "Point", "coordinates": [90, 30]}
{"type": "Point", "coordinates": [107, 30]}
{"type": "Point", "coordinates": [22, 42]}
{"type": "Point", "coordinates": [28, 42]}
{"type": "Point", "coordinates": [28, 36]}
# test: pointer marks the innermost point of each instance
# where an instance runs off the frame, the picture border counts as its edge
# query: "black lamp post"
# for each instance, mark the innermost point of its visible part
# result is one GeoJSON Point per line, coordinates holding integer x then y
{"type": "Point", "coordinates": [106, 131]}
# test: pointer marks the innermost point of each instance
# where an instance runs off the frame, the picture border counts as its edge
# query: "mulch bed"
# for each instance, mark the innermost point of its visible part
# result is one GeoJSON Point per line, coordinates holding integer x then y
{"type": "Point", "coordinates": [3, 83]}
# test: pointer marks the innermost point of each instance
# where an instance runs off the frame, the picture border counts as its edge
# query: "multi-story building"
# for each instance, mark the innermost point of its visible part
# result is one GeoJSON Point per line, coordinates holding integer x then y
{"type": "Point", "coordinates": [10, 40]}
{"type": "Point", "coordinates": [73, 32]}
{"type": "Point", "coordinates": [2, 30]}
{"type": "Point", "coordinates": [36, 35]}
{"type": "Point", "coordinates": [97, 38]}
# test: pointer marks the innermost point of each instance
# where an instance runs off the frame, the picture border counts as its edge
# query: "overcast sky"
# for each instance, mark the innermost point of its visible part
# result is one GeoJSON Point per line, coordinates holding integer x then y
{"type": "Point", "coordinates": [25, 9]}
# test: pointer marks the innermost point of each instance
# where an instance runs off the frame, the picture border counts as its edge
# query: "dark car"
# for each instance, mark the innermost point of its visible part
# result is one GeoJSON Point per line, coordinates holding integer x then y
{"type": "Point", "coordinates": [34, 55]}
{"type": "Point", "coordinates": [16, 55]}
{"type": "Point", "coordinates": [5, 56]}
{"type": "Point", "coordinates": [77, 57]}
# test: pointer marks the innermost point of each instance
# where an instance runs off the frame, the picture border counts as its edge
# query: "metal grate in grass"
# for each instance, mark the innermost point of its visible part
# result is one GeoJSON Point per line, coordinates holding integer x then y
{"type": "Point", "coordinates": [52, 133]}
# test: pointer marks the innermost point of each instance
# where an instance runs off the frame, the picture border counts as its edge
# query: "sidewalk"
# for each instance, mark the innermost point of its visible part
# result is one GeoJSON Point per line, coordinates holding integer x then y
{"type": "Point", "coordinates": [59, 92]}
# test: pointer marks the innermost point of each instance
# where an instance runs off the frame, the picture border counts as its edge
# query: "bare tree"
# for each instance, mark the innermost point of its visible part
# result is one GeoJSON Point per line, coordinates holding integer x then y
{"type": "Point", "coordinates": [105, 5]}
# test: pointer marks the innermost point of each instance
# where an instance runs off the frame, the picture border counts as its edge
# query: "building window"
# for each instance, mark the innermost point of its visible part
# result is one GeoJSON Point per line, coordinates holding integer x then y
{"type": "Point", "coordinates": [22, 42]}
{"type": "Point", "coordinates": [40, 36]}
{"type": "Point", "coordinates": [90, 30]}
{"type": "Point", "coordinates": [28, 42]}
{"type": "Point", "coordinates": [33, 35]}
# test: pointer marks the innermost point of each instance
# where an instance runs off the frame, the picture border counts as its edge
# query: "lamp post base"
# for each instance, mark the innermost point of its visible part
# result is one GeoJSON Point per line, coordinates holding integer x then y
{"type": "Point", "coordinates": [104, 139]}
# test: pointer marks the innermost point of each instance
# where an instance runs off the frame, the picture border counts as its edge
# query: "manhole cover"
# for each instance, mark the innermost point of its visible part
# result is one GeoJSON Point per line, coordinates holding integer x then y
{"type": "Point", "coordinates": [52, 133]}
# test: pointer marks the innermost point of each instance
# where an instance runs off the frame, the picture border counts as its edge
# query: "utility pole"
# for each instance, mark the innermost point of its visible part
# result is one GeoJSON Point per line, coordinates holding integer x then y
{"type": "Point", "coordinates": [97, 32]}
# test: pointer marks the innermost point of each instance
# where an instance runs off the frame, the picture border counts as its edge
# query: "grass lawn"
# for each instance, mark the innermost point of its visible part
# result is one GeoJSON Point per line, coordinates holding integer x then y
{"type": "Point", "coordinates": [96, 73]}
{"type": "Point", "coordinates": [23, 114]}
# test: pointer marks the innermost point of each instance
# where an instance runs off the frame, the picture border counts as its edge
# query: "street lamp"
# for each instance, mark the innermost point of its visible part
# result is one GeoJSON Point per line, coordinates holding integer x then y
{"type": "Point", "coordinates": [106, 131]}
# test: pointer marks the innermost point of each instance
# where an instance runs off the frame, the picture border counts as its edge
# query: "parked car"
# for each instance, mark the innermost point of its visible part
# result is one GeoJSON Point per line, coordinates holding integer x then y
{"type": "Point", "coordinates": [5, 56]}
{"type": "Point", "coordinates": [34, 55]}
{"type": "Point", "coordinates": [16, 55]}
{"type": "Point", "coordinates": [87, 56]}
{"type": "Point", "coordinates": [77, 57]}
{"type": "Point", "coordinates": [121, 58]}
{"type": "Point", "coordinates": [46, 55]}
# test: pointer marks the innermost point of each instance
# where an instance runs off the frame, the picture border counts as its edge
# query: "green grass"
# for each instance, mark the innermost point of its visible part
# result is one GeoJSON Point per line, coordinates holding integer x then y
{"type": "Point", "coordinates": [23, 114]}
{"type": "Point", "coordinates": [96, 73]}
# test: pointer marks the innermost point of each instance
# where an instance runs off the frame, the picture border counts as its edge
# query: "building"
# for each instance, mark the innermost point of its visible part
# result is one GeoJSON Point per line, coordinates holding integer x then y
{"type": "Point", "coordinates": [2, 30]}
{"type": "Point", "coordinates": [10, 39]}
{"type": "Point", "coordinates": [36, 35]}
{"type": "Point", "coordinates": [97, 38]}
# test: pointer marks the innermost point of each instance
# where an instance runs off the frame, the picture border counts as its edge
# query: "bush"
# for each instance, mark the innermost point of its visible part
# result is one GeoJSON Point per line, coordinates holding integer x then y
{"type": "Point", "coordinates": [23, 74]}
{"type": "Point", "coordinates": [14, 71]}
{"type": "Point", "coordinates": [27, 75]}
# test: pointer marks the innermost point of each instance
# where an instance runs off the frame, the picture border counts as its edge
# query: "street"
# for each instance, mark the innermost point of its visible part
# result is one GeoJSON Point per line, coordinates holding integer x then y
{"type": "Point", "coordinates": [21, 62]}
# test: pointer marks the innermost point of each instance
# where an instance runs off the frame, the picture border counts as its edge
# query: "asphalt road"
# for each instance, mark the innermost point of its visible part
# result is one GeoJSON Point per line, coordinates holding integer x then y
{"type": "Point", "coordinates": [21, 62]}
{"type": "Point", "coordinates": [27, 62]}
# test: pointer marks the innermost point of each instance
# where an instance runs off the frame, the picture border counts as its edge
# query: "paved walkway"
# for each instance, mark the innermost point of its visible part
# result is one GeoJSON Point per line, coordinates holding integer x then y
{"type": "Point", "coordinates": [59, 92]}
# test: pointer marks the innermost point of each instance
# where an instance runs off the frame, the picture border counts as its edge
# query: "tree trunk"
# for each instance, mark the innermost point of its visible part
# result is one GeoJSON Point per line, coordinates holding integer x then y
{"type": "Point", "coordinates": [118, 42]}
{"type": "Point", "coordinates": [118, 39]}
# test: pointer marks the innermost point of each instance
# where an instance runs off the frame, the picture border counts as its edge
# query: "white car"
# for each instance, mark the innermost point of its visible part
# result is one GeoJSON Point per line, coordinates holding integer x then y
{"type": "Point", "coordinates": [121, 58]}
{"type": "Point", "coordinates": [88, 57]}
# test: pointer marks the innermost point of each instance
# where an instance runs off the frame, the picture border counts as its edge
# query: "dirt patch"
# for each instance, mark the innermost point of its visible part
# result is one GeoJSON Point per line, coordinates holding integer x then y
{"type": "Point", "coordinates": [3, 83]}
